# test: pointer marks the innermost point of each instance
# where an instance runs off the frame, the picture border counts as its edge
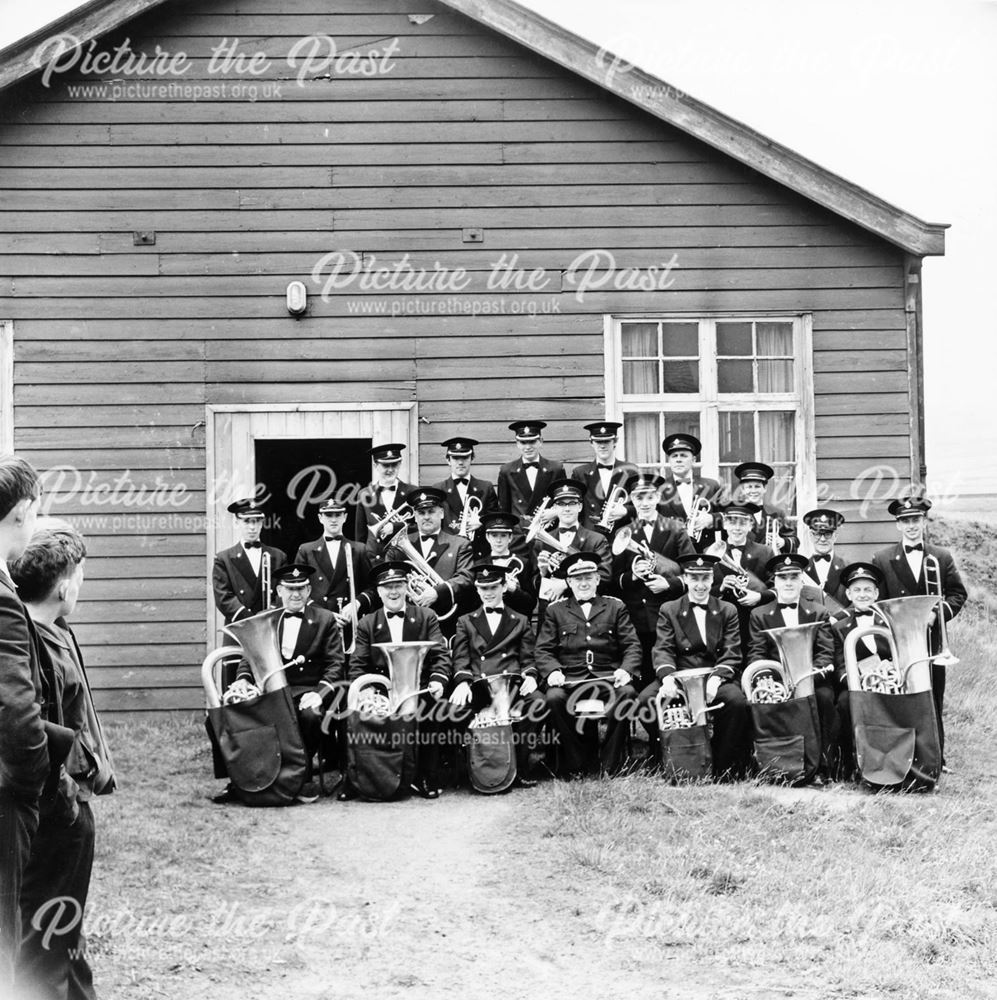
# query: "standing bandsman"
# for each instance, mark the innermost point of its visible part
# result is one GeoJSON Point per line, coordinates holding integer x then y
{"type": "Point", "coordinates": [493, 545]}
{"type": "Point", "coordinates": [752, 481]}
{"type": "Point", "coordinates": [791, 608]}
{"type": "Point", "coordinates": [685, 485]}
{"type": "Point", "coordinates": [584, 637]}
{"type": "Point", "coordinates": [460, 485]}
{"type": "Point", "coordinates": [602, 475]}
{"type": "Point", "coordinates": [695, 631]}
{"type": "Point", "coordinates": [523, 483]}
{"type": "Point", "coordinates": [825, 568]}
{"type": "Point", "coordinates": [386, 492]}
{"type": "Point", "coordinates": [903, 569]}
{"type": "Point", "coordinates": [235, 577]}
{"type": "Point", "coordinates": [330, 583]}
{"type": "Point", "coordinates": [646, 584]}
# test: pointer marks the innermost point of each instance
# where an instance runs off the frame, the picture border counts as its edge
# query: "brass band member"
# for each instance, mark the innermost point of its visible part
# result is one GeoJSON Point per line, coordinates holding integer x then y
{"type": "Point", "coordinates": [752, 481]}
{"type": "Point", "coordinates": [791, 608]}
{"type": "Point", "coordinates": [460, 485]}
{"type": "Point", "coordinates": [523, 483]}
{"type": "Point", "coordinates": [645, 584]}
{"type": "Point", "coordinates": [235, 576]}
{"type": "Point", "coordinates": [824, 568]}
{"type": "Point", "coordinates": [684, 485]}
{"type": "Point", "coordinates": [698, 630]}
{"type": "Point", "coordinates": [330, 583]}
{"type": "Point", "coordinates": [386, 492]}
{"type": "Point", "coordinates": [903, 569]}
{"type": "Point", "coordinates": [396, 621]}
{"type": "Point", "coordinates": [863, 583]}
{"type": "Point", "coordinates": [492, 640]}
{"type": "Point", "coordinates": [496, 536]}
{"type": "Point", "coordinates": [311, 647]}
{"type": "Point", "coordinates": [600, 476]}
{"type": "Point", "coordinates": [586, 636]}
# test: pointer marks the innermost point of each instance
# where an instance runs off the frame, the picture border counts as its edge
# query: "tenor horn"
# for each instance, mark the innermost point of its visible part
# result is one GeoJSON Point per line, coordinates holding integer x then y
{"type": "Point", "coordinates": [791, 676]}
{"type": "Point", "coordinates": [405, 661]}
{"type": "Point", "coordinates": [257, 638]}
{"type": "Point", "coordinates": [689, 708]}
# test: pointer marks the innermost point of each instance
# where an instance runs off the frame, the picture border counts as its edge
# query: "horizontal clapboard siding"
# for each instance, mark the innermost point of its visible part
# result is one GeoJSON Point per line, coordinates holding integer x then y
{"type": "Point", "coordinates": [119, 347]}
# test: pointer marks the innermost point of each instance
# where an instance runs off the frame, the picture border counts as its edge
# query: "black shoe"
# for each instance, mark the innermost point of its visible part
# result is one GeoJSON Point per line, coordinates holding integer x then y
{"type": "Point", "coordinates": [420, 788]}
{"type": "Point", "coordinates": [223, 798]}
{"type": "Point", "coordinates": [526, 783]}
{"type": "Point", "coordinates": [946, 769]}
{"type": "Point", "coordinates": [346, 793]}
{"type": "Point", "coordinates": [308, 793]}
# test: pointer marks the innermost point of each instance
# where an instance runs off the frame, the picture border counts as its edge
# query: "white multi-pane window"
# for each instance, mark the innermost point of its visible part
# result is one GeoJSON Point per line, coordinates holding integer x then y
{"type": "Point", "coordinates": [742, 385]}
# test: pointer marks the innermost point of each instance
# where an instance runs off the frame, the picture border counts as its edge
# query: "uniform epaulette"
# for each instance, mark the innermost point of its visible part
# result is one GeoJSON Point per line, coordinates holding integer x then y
{"type": "Point", "coordinates": [611, 597]}
{"type": "Point", "coordinates": [839, 616]}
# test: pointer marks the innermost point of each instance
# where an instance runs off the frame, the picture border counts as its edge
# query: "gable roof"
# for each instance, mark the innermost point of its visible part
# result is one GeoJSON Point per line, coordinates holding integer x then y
{"type": "Point", "coordinates": [647, 92]}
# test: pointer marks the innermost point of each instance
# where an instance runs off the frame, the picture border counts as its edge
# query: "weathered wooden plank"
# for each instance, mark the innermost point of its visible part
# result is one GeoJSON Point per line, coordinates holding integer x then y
{"type": "Point", "coordinates": [118, 459]}
{"type": "Point", "coordinates": [305, 392]}
{"type": "Point", "coordinates": [859, 340]}
{"type": "Point", "coordinates": [859, 382]}
{"type": "Point", "coordinates": [156, 700]}
{"type": "Point", "coordinates": [248, 25]}
{"type": "Point", "coordinates": [137, 657]}
{"type": "Point", "coordinates": [75, 264]}
{"type": "Point", "coordinates": [866, 319]}
{"type": "Point", "coordinates": [61, 200]}
{"type": "Point", "coordinates": [871, 359]}
{"type": "Point", "coordinates": [42, 373]}
{"type": "Point", "coordinates": [313, 370]}
{"type": "Point", "coordinates": [136, 219]}
{"type": "Point", "coordinates": [125, 567]}
{"type": "Point", "coordinates": [143, 589]}
{"type": "Point", "coordinates": [851, 468]}
{"type": "Point", "coordinates": [112, 634]}
{"type": "Point", "coordinates": [859, 425]}
{"type": "Point", "coordinates": [92, 612]}
{"type": "Point", "coordinates": [110, 350]}
{"type": "Point", "coordinates": [82, 395]}
{"type": "Point", "coordinates": [549, 386]}
{"type": "Point", "coordinates": [105, 416]}
{"type": "Point", "coordinates": [144, 676]}
{"type": "Point", "coordinates": [867, 403]}
{"type": "Point", "coordinates": [882, 447]}
{"type": "Point", "coordinates": [146, 546]}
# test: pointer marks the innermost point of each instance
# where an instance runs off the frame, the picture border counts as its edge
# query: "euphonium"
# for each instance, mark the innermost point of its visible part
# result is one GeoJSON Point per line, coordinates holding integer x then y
{"type": "Point", "coordinates": [908, 619]}
{"type": "Point", "coordinates": [405, 661]}
{"type": "Point", "coordinates": [699, 506]}
{"type": "Point", "coordinates": [933, 580]}
{"type": "Point", "coordinates": [472, 505]}
{"type": "Point", "coordinates": [771, 681]}
{"type": "Point", "coordinates": [690, 708]}
{"type": "Point", "coordinates": [424, 574]}
{"type": "Point", "coordinates": [257, 638]}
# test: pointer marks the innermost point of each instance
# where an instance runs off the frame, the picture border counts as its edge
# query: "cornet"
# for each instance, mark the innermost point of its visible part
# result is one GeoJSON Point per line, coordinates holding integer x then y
{"type": "Point", "coordinates": [541, 516]}
{"type": "Point", "coordinates": [400, 515]}
{"type": "Point", "coordinates": [933, 581]}
{"type": "Point", "coordinates": [771, 532]}
{"type": "Point", "coordinates": [617, 495]}
{"type": "Point", "coordinates": [472, 505]}
{"type": "Point", "coordinates": [699, 506]}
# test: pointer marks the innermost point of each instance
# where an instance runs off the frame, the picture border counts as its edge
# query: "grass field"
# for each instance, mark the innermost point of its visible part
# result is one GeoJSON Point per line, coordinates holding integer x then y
{"type": "Point", "coordinates": [577, 890]}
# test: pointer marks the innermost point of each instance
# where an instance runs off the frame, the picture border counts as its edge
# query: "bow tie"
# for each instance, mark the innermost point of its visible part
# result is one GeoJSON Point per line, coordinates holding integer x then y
{"type": "Point", "coordinates": [427, 538]}
{"type": "Point", "coordinates": [566, 531]}
{"type": "Point", "coordinates": [390, 489]}
{"type": "Point", "coordinates": [864, 614]}
{"type": "Point", "coordinates": [253, 545]}
{"type": "Point", "coordinates": [684, 482]}
{"type": "Point", "coordinates": [697, 604]}
{"type": "Point", "coordinates": [825, 558]}
{"type": "Point", "coordinates": [531, 465]}
{"type": "Point", "coordinates": [394, 614]}
{"type": "Point", "coordinates": [333, 538]}
{"type": "Point", "coordinates": [914, 548]}
{"type": "Point", "coordinates": [585, 600]}
{"type": "Point", "coordinates": [293, 614]}
{"type": "Point", "coordinates": [493, 611]}
{"type": "Point", "coordinates": [601, 466]}
{"type": "Point", "coordinates": [791, 607]}
{"type": "Point", "coordinates": [461, 482]}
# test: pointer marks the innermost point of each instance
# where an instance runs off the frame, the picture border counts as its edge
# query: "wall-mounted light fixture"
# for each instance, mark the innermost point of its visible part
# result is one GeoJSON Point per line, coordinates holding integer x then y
{"type": "Point", "coordinates": [297, 298]}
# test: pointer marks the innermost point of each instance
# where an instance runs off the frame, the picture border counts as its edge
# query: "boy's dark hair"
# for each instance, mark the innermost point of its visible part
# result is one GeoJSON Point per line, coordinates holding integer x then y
{"type": "Point", "coordinates": [51, 556]}
{"type": "Point", "coordinates": [18, 481]}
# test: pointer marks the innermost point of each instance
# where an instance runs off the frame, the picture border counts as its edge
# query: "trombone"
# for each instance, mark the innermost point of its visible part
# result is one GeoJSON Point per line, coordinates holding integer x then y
{"type": "Point", "coordinates": [266, 573]}
{"type": "Point", "coordinates": [351, 582]}
{"type": "Point", "coordinates": [933, 583]}
{"type": "Point", "coordinates": [400, 515]}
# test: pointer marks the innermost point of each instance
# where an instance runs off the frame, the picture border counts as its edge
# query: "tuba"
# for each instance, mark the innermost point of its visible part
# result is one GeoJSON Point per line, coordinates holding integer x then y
{"type": "Point", "coordinates": [257, 638]}
{"type": "Point", "coordinates": [690, 708]}
{"type": "Point", "coordinates": [771, 681]}
{"type": "Point", "coordinates": [405, 661]}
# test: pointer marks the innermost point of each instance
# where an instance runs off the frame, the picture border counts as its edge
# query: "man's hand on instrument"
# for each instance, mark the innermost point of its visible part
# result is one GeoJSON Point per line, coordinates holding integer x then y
{"type": "Point", "coordinates": [750, 599]}
{"type": "Point", "coordinates": [528, 686]}
{"type": "Point", "coordinates": [780, 544]}
{"type": "Point", "coordinates": [615, 511]}
{"type": "Point", "coordinates": [544, 564]}
{"type": "Point", "coordinates": [669, 688]}
{"type": "Point", "coordinates": [621, 678]}
{"type": "Point", "coordinates": [511, 583]}
{"type": "Point", "coordinates": [657, 584]}
{"type": "Point", "coordinates": [712, 687]}
{"type": "Point", "coordinates": [461, 695]}
{"type": "Point", "coordinates": [436, 689]}
{"type": "Point", "coordinates": [555, 679]}
{"type": "Point", "coordinates": [702, 520]}
{"type": "Point", "coordinates": [310, 701]}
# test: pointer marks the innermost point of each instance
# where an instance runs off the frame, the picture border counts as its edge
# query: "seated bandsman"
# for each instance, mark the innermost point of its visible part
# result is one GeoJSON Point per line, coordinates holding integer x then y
{"type": "Point", "coordinates": [523, 483]}
{"type": "Point", "coordinates": [646, 583]}
{"type": "Point", "coordinates": [460, 485]}
{"type": "Point", "coordinates": [311, 648]}
{"type": "Point", "coordinates": [695, 631]}
{"type": "Point", "coordinates": [824, 567]}
{"type": "Point", "coordinates": [791, 608]}
{"type": "Point", "coordinates": [903, 569]}
{"type": "Point", "coordinates": [585, 636]}
{"type": "Point", "coordinates": [490, 641]}
{"type": "Point", "coordinates": [687, 493]}
{"type": "Point", "coordinates": [385, 493]}
{"type": "Point", "coordinates": [752, 481]}
{"type": "Point", "coordinates": [862, 582]}
{"type": "Point", "coordinates": [235, 576]}
{"type": "Point", "coordinates": [330, 583]}
{"type": "Point", "coordinates": [493, 545]}
{"type": "Point", "coordinates": [565, 496]}
{"type": "Point", "coordinates": [394, 622]}
{"type": "Point", "coordinates": [601, 476]}
{"type": "Point", "coordinates": [434, 553]}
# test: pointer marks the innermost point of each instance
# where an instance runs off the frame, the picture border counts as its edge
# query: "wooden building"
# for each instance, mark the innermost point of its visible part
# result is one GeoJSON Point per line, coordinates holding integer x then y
{"type": "Point", "coordinates": [153, 215]}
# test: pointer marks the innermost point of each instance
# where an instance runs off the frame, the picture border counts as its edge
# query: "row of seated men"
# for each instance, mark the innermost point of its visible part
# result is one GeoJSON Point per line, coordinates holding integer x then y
{"type": "Point", "coordinates": [645, 578]}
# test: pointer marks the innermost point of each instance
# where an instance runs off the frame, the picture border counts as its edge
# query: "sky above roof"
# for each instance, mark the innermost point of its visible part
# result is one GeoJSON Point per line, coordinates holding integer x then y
{"type": "Point", "coordinates": [898, 96]}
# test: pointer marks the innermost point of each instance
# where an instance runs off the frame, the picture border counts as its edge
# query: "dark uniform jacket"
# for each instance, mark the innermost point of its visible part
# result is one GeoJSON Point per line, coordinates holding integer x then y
{"type": "Point", "coordinates": [237, 588]}
{"type": "Point", "coordinates": [479, 652]}
{"type": "Point", "coordinates": [595, 496]}
{"type": "Point", "coordinates": [451, 557]}
{"type": "Point", "coordinates": [757, 532]}
{"type": "Point", "coordinates": [585, 540]}
{"type": "Point", "coordinates": [330, 583]}
{"type": "Point", "coordinates": [524, 598]}
{"type": "Point", "coordinates": [584, 648]}
{"type": "Point", "coordinates": [453, 509]}
{"type": "Point", "coordinates": [320, 642]}
{"type": "Point", "coordinates": [834, 586]}
{"type": "Point", "coordinates": [679, 645]}
{"type": "Point", "coordinates": [419, 624]}
{"type": "Point", "coordinates": [370, 513]}
{"type": "Point", "coordinates": [514, 493]}
{"type": "Point", "coordinates": [845, 623]}
{"type": "Point", "coordinates": [671, 502]}
{"type": "Point", "coordinates": [762, 646]}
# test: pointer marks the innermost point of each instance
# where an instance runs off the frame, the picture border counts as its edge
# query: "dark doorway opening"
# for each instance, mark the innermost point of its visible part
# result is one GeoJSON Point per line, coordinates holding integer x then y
{"type": "Point", "coordinates": [300, 472]}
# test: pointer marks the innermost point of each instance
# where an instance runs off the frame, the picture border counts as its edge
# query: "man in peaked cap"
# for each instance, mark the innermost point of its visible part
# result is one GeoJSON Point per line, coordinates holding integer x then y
{"type": "Point", "coordinates": [386, 492]}
{"type": "Point", "coordinates": [903, 569]}
{"type": "Point", "coordinates": [694, 631]}
{"type": "Point", "coordinates": [684, 485]}
{"type": "Point", "coordinates": [824, 568]}
{"type": "Point", "coordinates": [235, 577]}
{"type": "Point", "coordinates": [460, 485]}
{"type": "Point", "coordinates": [753, 479]}
{"type": "Point", "coordinates": [523, 482]}
{"type": "Point", "coordinates": [604, 473]}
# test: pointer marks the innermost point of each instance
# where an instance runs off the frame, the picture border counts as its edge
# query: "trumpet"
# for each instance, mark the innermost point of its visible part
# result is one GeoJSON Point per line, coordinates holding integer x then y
{"type": "Point", "coordinates": [699, 506]}
{"type": "Point", "coordinates": [541, 516]}
{"type": "Point", "coordinates": [933, 581]}
{"type": "Point", "coordinates": [425, 577]}
{"type": "Point", "coordinates": [617, 495]}
{"type": "Point", "coordinates": [472, 505]}
{"type": "Point", "coordinates": [768, 682]}
{"type": "Point", "coordinates": [266, 574]}
{"type": "Point", "coordinates": [771, 532]}
{"type": "Point", "coordinates": [400, 515]}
